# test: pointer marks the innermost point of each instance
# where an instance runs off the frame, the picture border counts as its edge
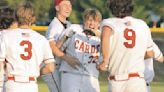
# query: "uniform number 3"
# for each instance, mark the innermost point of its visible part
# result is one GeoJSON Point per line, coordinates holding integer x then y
{"type": "Point", "coordinates": [130, 36]}
{"type": "Point", "coordinates": [27, 49]}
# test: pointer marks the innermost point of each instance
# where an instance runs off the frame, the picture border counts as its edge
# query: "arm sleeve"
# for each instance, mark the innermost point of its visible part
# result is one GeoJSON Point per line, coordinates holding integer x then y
{"type": "Point", "coordinates": [149, 39]}
{"type": "Point", "coordinates": [48, 56]}
{"type": "Point", "coordinates": [50, 33]}
{"type": "Point", "coordinates": [106, 22]}
{"type": "Point", "coordinates": [157, 53]}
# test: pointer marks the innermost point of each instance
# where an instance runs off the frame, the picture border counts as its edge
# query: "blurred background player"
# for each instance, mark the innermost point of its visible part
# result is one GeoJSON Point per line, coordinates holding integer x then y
{"type": "Point", "coordinates": [55, 31]}
{"type": "Point", "coordinates": [24, 50]}
{"type": "Point", "coordinates": [85, 46]}
{"type": "Point", "coordinates": [149, 69]}
{"type": "Point", "coordinates": [125, 40]}
{"type": "Point", "coordinates": [7, 22]}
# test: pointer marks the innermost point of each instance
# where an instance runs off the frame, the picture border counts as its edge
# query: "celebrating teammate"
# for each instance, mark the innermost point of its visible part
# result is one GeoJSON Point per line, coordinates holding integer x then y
{"type": "Point", "coordinates": [85, 46]}
{"type": "Point", "coordinates": [54, 33]}
{"type": "Point", "coordinates": [125, 40]}
{"type": "Point", "coordinates": [24, 50]}
{"type": "Point", "coordinates": [149, 69]}
{"type": "Point", "coordinates": [7, 22]}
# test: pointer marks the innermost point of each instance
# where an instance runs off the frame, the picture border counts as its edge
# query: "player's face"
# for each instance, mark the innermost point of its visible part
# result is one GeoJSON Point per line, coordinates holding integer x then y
{"type": "Point", "coordinates": [65, 8]}
{"type": "Point", "coordinates": [90, 23]}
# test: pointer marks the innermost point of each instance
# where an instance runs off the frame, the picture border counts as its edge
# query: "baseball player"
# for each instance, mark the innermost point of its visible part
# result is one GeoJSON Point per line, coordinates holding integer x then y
{"type": "Point", "coordinates": [7, 21]}
{"type": "Point", "coordinates": [85, 46]}
{"type": "Point", "coordinates": [149, 70]}
{"type": "Point", "coordinates": [24, 50]}
{"type": "Point", "coordinates": [54, 33]}
{"type": "Point", "coordinates": [125, 40]}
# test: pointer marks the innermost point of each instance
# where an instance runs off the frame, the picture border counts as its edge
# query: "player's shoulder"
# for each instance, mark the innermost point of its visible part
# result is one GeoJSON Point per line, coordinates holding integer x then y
{"type": "Point", "coordinates": [110, 20]}
{"type": "Point", "coordinates": [37, 34]}
{"type": "Point", "coordinates": [54, 22]}
{"type": "Point", "coordinates": [139, 21]}
{"type": "Point", "coordinates": [76, 28]}
{"type": "Point", "coordinates": [7, 31]}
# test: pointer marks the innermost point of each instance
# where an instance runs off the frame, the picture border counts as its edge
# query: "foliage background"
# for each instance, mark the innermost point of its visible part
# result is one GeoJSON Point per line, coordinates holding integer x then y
{"type": "Point", "coordinates": [45, 8]}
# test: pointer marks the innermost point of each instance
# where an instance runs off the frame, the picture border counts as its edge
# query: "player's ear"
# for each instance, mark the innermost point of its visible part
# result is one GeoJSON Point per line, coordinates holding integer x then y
{"type": "Point", "coordinates": [57, 8]}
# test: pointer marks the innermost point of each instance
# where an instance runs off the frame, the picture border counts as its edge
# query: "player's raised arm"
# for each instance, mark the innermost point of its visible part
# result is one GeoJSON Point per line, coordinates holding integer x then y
{"type": "Point", "coordinates": [107, 31]}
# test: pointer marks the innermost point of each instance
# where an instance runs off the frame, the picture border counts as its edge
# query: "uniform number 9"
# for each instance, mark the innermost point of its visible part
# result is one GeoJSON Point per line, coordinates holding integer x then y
{"type": "Point", "coordinates": [27, 49]}
{"type": "Point", "coordinates": [130, 36]}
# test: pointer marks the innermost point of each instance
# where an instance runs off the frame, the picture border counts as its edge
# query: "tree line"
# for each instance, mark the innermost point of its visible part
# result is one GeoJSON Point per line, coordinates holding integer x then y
{"type": "Point", "coordinates": [45, 8]}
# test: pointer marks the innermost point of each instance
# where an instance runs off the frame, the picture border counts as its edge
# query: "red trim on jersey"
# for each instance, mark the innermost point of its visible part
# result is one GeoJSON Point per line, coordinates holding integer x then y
{"type": "Point", "coordinates": [129, 76]}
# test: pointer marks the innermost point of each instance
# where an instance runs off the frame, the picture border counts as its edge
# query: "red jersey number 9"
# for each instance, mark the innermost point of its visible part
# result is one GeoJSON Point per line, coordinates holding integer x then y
{"type": "Point", "coordinates": [27, 49]}
{"type": "Point", "coordinates": [130, 36]}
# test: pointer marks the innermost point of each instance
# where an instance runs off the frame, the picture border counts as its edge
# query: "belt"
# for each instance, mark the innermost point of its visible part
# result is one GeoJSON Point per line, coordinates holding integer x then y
{"type": "Point", "coordinates": [21, 79]}
{"type": "Point", "coordinates": [13, 78]}
{"type": "Point", "coordinates": [124, 77]}
{"type": "Point", "coordinates": [147, 84]}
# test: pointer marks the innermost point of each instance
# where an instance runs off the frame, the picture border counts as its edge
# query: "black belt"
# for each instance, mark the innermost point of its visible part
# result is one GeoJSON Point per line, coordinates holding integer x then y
{"type": "Point", "coordinates": [147, 84]}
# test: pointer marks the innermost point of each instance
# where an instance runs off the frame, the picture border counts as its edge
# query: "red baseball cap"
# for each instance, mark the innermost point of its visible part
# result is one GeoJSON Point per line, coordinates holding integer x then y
{"type": "Point", "coordinates": [57, 2]}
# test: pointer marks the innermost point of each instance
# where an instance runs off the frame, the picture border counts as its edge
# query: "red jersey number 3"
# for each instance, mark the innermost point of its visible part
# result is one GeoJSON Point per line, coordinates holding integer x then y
{"type": "Point", "coordinates": [130, 36]}
{"type": "Point", "coordinates": [27, 49]}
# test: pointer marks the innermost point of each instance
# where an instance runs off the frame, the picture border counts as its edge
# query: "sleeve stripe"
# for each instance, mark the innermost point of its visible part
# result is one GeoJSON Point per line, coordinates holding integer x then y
{"type": "Point", "coordinates": [150, 48]}
{"type": "Point", "coordinates": [158, 56]}
{"type": "Point", "coordinates": [52, 59]}
{"type": "Point", "coordinates": [51, 39]}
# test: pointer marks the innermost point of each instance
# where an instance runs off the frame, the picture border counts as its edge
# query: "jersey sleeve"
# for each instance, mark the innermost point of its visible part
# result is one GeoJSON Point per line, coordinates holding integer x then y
{"type": "Point", "coordinates": [48, 56]}
{"type": "Point", "coordinates": [106, 22]}
{"type": "Point", "coordinates": [50, 33]}
{"type": "Point", "coordinates": [157, 53]}
{"type": "Point", "coordinates": [2, 49]}
{"type": "Point", "coordinates": [149, 40]}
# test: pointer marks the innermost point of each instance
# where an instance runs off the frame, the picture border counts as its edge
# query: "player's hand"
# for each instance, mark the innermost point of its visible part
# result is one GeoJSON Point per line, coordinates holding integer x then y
{"type": "Point", "coordinates": [69, 33]}
{"type": "Point", "coordinates": [72, 61]}
{"type": "Point", "coordinates": [103, 66]}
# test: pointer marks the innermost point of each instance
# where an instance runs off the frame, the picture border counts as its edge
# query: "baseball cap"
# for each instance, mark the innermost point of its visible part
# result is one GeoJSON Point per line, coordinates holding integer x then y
{"type": "Point", "coordinates": [57, 2]}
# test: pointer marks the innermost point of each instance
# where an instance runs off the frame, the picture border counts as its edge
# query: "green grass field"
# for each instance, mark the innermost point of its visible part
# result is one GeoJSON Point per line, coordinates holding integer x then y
{"type": "Point", "coordinates": [155, 86]}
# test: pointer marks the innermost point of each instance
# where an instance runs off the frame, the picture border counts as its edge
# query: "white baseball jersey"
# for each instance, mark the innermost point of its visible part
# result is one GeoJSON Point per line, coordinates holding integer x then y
{"type": "Point", "coordinates": [55, 31]}
{"type": "Point", "coordinates": [130, 40]}
{"type": "Point", "coordinates": [24, 50]}
{"type": "Point", "coordinates": [149, 69]}
{"type": "Point", "coordinates": [85, 49]}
